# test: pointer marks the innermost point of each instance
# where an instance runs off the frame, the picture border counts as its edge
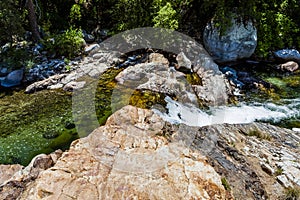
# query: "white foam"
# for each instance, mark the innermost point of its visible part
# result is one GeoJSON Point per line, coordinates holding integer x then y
{"type": "Point", "coordinates": [296, 129]}
{"type": "Point", "coordinates": [193, 116]}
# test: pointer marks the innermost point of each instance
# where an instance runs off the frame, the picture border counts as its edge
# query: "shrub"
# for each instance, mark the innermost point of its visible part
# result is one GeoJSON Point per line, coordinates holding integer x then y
{"type": "Point", "coordinates": [166, 17]}
{"type": "Point", "coordinates": [68, 44]}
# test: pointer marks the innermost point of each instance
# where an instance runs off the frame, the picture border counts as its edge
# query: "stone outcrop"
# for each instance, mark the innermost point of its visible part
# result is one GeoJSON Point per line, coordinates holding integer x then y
{"type": "Point", "coordinates": [158, 76]}
{"type": "Point", "coordinates": [129, 158]}
{"type": "Point", "coordinates": [15, 178]}
{"type": "Point", "coordinates": [137, 155]}
{"type": "Point", "coordinates": [237, 42]}
{"type": "Point", "coordinates": [92, 66]}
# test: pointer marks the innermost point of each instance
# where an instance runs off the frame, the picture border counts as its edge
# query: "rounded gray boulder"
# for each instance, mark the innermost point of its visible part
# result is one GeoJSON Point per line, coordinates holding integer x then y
{"type": "Point", "coordinates": [237, 42]}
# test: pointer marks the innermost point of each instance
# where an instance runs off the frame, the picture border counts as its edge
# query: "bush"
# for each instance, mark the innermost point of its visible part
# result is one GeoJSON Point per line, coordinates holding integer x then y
{"type": "Point", "coordinates": [15, 57]}
{"type": "Point", "coordinates": [69, 44]}
{"type": "Point", "coordinates": [166, 18]}
{"type": "Point", "coordinates": [10, 21]}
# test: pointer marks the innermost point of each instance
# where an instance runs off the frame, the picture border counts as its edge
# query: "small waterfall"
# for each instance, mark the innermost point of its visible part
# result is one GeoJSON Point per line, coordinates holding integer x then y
{"type": "Point", "coordinates": [243, 113]}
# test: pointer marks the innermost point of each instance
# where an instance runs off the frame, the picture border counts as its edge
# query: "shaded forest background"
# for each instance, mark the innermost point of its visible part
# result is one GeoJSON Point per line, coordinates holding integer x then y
{"type": "Point", "coordinates": [277, 21]}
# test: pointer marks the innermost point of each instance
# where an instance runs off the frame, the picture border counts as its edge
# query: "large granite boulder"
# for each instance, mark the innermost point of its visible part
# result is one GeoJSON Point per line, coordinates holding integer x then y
{"type": "Point", "coordinates": [138, 155]}
{"type": "Point", "coordinates": [237, 42]}
{"type": "Point", "coordinates": [129, 159]}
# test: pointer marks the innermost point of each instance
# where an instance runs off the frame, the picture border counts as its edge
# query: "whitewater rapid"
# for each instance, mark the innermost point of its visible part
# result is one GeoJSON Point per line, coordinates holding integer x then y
{"type": "Point", "coordinates": [191, 115]}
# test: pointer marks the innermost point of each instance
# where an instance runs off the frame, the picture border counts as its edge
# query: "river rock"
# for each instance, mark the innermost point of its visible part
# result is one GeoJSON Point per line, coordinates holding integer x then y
{"type": "Point", "coordinates": [73, 85]}
{"type": "Point", "coordinates": [89, 38]}
{"type": "Point", "coordinates": [158, 58]}
{"type": "Point", "coordinates": [290, 66]}
{"type": "Point", "coordinates": [157, 76]}
{"type": "Point", "coordinates": [45, 69]}
{"type": "Point", "coordinates": [183, 62]}
{"type": "Point", "coordinates": [288, 55]}
{"type": "Point", "coordinates": [237, 42]}
{"type": "Point", "coordinates": [14, 78]}
{"type": "Point", "coordinates": [45, 84]}
{"type": "Point", "coordinates": [3, 71]}
{"type": "Point", "coordinates": [89, 48]}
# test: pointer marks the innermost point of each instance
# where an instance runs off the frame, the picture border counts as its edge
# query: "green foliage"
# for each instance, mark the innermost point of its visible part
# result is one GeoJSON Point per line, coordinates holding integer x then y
{"type": "Point", "coordinates": [75, 13]}
{"type": "Point", "coordinates": [278, 171]}
{"type": "Point", "coordinates": [166, 18]}
{"type": "Point", "coordinates": [15, 57]}
{"type": "Point", "coordinates": [130, 14]}
{"type": "Point", "coordinates": [68, 44]}
{"type": "Point", "coordinates": [259, 134]}
{"type": "Point", "coordinates": [292, 194]}
{"type": "Point", "coordinates": [225, 184]}
{"type": "Point", "coordinates": [277, 21]}
{"type": "Point", "coordinates": [11, 20]}
{"type": "Point", "coordinates": [277, 29]}
{"type": "Point", "coordinates": [29, 64]}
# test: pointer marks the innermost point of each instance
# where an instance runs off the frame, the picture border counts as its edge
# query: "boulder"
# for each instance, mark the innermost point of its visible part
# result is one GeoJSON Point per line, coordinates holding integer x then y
{"type": "Point", "coordinates": [45, 84]}
{"type": "Point", "coordinates": [156, 76]}
{"type": "Point", "coordinates": [158, 58]}
{"type": "Point", "coordinates": [237, 42]}
{"type": "Point", "coordinates": [290, 66]}
{"type": "Point", "coordinates": [3, 71]}
{"type": "Point", "coordinates": [183, 62]}
{"type": "Point", "coordinates": [135, 163]}
{"type": "Point", "coordinates": [73, 85]}
{"type": "Point", "coordinates": [88, 38]}
{"type": "Point", "coordinates": [89, 48]}
{"type": "Point", "coordinates": [19, 176]}
{"type": "Point", "coordinates": [14, 78]}
{"type": "Point", "coordinates": [138, 155]}
{"type": "Point", "coordinates": [288, 55]}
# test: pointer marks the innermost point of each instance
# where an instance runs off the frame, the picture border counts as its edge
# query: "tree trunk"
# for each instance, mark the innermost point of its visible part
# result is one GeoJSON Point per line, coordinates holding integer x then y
{"type": "Point", "coordinates": [33, 21]}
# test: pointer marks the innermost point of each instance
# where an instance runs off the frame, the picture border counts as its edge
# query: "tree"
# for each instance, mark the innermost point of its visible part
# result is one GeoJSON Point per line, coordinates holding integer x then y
{"type": "Point", "coordinates": [10, 21]}
{"type": "Point", "coordinates": [33, 20]}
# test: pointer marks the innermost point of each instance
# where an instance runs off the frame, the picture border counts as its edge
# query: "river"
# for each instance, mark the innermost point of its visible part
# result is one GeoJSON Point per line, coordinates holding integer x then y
{"type": "Point", "coordinates": [31, 124]}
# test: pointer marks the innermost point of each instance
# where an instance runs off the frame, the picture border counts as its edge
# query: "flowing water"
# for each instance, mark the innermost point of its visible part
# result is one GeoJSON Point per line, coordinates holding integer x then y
{"type": "Point", "coordinates": [278, 105]}
{"type": "Point", "coordinates": [285, 113]}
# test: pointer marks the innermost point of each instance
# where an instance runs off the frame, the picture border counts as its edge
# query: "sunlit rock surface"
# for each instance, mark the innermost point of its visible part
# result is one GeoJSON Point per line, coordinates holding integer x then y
{"type": "Point", "coordinates": [137, 155]}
